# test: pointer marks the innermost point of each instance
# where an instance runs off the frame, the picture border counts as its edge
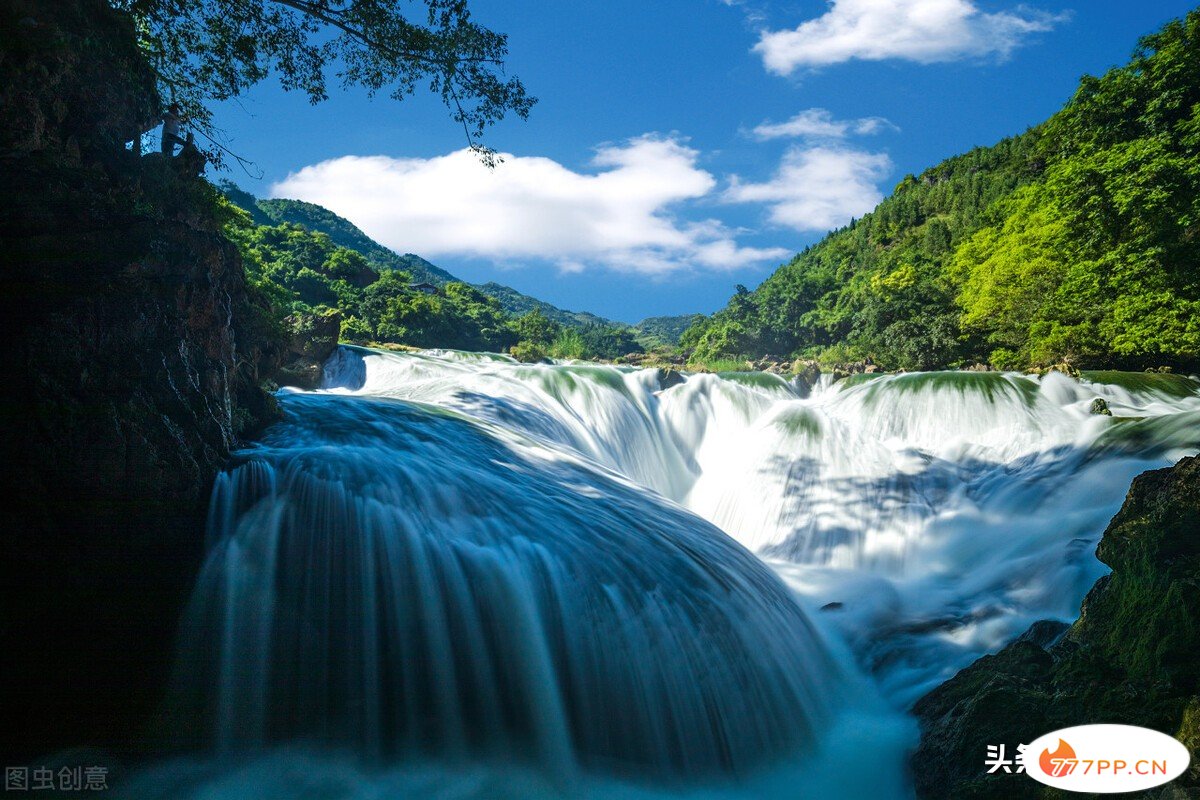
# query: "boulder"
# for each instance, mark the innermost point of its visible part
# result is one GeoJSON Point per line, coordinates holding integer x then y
{"type": "Point", "coordinates": [668, 377]}
{"type": "Point", "coordinates": [1129, 659]}
{"type": "Point", "coordinates": [807, 374]}
{"type": "Point", "coordinates": [1045, 633]}
{"type": "Point", "coordinates": [313, 338]}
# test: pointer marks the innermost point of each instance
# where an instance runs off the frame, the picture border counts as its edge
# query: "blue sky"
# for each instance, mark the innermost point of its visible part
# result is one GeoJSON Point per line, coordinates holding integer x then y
{"type": "Point", "coordinates": [680, 148]}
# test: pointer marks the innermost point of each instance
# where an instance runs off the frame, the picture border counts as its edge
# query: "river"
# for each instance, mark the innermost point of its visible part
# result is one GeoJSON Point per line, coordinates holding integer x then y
{"type": "Point", "coordinates": [450, 575]}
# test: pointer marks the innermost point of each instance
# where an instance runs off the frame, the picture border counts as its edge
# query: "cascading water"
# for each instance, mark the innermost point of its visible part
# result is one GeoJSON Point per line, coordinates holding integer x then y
{"type": "Point", "coordinates": [397, 579]}
{"type": "Point", "coordinates": [447, 556]}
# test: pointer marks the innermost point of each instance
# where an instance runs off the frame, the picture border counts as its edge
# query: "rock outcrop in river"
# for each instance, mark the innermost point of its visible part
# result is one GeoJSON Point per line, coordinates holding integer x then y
{"type": "Point", "coordinates": [1131, 658]}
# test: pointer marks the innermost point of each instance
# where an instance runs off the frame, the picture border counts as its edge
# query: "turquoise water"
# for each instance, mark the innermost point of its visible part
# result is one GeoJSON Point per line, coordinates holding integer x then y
{"type": "Point", "coordinates": [451, 575]}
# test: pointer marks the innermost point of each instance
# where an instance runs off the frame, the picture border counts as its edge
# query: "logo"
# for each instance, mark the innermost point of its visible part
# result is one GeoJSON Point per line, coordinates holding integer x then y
{"type": "Point", "coordinates": [1105, 759]}
{"type": "Point", "coordinates": [1056, 764]}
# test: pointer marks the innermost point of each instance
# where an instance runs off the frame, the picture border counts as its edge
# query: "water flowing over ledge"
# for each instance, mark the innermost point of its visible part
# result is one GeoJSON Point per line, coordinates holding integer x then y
{"type": "Point", "coordinates": [395, 579]}
{"type": "Point", "coordinates": [942, 512]}
{"type": "Point", "coordinates": [454, 556]}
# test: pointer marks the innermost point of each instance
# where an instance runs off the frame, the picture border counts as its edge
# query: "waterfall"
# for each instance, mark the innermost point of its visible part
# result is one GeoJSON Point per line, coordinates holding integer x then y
{"type": "Point", "coordinates": [399, 579]}
{"type": "Point", "coordinates": [445, 557]}
{"type": "Point", "coordinates": [942, 512]}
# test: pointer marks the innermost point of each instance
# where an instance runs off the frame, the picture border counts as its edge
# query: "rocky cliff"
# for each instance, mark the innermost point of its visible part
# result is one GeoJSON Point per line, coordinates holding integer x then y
{"type": "Point", "coordinates": [135, 361]}
{"type": "Point", "coordinates": [1133, 657]}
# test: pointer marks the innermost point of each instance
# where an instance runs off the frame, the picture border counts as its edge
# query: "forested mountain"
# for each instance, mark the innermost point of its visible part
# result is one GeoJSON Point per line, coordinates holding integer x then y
{"type": "Point", "coordinates": [514, 302]}
{"type": "Point", "coordinates": [310, 279]}
{"type": "Point", "coordinates": [664, 331]}
{"type": "Point", "coordinates": [344, 233]}
{"type": "Point", "coordinates": [1077, 241]}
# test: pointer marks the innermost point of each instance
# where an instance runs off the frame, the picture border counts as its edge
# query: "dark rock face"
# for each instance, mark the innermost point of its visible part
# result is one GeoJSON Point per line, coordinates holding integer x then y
{"type": "Point", "coordinates": [807, 375]}
{"type": "Point", "coordinates": [135, 358]}
{"type": "Point", "coordinates": [1131, 658]}
{"type": "Point", "coordinates": [314, 337]}
{"type": "Point", "coordinates": [1045, 633]}
{"type": "Point", "coordinates": [668, 377]}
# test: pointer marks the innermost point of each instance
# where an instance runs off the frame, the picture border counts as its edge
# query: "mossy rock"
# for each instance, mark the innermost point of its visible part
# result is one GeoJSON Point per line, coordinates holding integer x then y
{"type": "Point", "coordinates": [1131, 658]}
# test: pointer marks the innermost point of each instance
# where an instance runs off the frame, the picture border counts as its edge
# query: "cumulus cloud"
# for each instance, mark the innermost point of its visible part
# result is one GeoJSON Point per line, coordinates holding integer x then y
{"type": "Point", "coordinates": [924, 31]}
{"type": "Point", "coordinates": [818, 188]}
{"type": "Point", "coordinates": [819, 123]}
{"type": "Point", "coordinates": [620, 214]}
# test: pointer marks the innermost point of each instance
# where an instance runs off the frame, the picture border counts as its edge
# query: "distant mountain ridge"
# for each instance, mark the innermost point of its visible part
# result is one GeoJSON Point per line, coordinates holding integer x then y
{"type": "Point", "coordinates": [654, 331]}
{"type": "Point", "coordinates": [346, 234]}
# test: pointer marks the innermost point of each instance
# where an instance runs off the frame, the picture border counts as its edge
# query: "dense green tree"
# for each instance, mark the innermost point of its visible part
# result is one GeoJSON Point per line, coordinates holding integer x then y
{"type": "Point", "coordinates": [608, 341]}
{"type": "Point", "coordinates": [536, 328]}
{"type": "Point", "coordinates": [480, 316]}
{"type": "Point", "coordinates": [1009, 272]}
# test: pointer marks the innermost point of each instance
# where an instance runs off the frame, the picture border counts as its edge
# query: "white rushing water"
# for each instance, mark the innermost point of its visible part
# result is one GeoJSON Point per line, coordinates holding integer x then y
{"type": "Point", "coordinates": [452, 575]}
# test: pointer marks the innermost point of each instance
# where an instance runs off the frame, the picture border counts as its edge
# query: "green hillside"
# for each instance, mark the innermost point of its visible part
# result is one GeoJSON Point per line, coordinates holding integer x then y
{"type": "Point", "coordinates": [664, 331]}
{"type": "Point", "coordinates": [311, 279]}
{"type": "Point", "coordinates": [1077, 241]}
{"type": "Point", "coordinates": [344, 233]}
{"type": "Point", "coordinates": [516, 303]}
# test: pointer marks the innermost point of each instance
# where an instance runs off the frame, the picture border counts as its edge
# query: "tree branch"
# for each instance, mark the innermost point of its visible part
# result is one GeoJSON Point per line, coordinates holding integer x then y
{"type": "Point", "coordinates": [361, 36]}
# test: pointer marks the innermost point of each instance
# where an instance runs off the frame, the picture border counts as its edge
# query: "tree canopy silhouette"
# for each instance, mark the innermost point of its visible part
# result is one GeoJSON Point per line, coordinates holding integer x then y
{"type": "Point", "coordinates": [212, 50]}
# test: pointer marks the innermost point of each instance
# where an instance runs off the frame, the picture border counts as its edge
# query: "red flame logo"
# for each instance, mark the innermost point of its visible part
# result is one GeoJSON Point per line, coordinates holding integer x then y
{"type": "Point", "coordinates": [1056, 764]}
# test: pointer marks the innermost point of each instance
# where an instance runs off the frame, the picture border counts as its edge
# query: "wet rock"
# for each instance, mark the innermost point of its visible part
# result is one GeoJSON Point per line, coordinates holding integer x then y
{"type": "Point", "coordinates": [1066, 369]}
{"type": "Point", "coordinates": [998, 700]}
{"type": "Point", "coordinates": [1100, 406]}
{"type": "Point", "coordinates": [1044, 633]}
{"type": "Point", "coordinates": [668, 377]}
{"type": "Point", "coordinates": [834, 606]}
{"type": "Point", "coordinates": [313, 338]}
{"type": "Point", "coordinates": [1129, 659]}
{"type": "Point", "coordinates": [806, 375]}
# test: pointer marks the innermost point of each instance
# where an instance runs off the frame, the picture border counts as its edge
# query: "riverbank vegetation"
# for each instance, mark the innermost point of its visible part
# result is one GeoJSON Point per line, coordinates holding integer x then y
{"type": "Point", "coordinates": [304, 272]}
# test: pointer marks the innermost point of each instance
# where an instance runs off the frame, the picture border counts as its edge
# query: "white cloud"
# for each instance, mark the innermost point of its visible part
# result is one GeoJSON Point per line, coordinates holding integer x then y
{"type": "Point", "coordinates": [619, 216]}
{"type": "Point", "coordinates": [818, 188]}
{"type": "Point", "coordinates": [819, 123]}
{"type": "Point", "coordinates": [925, 31]}
{"type": "Point", "coordinates": [754, 14]}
